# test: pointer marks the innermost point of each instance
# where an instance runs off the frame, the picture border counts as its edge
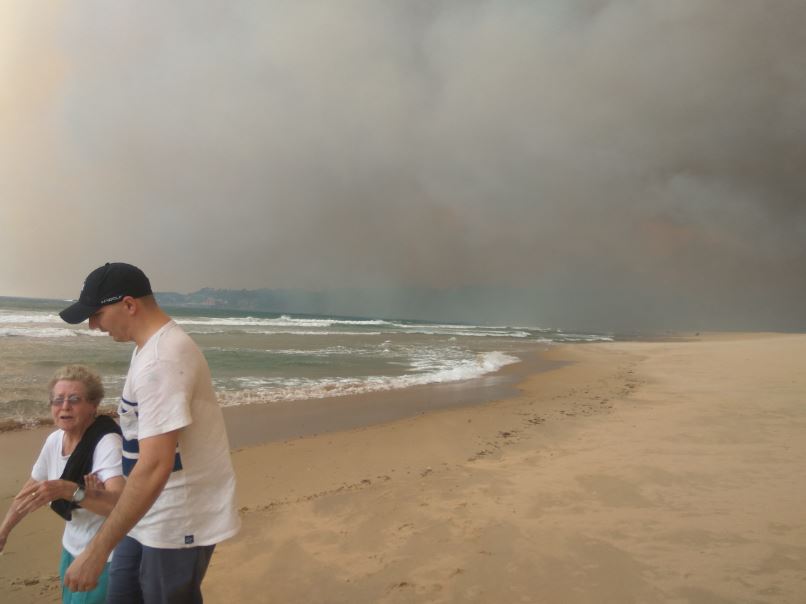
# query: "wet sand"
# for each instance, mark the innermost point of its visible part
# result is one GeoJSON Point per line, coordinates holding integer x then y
{"type": "Point", "coordinates": [632, 472]}
{"type": "Point", "coordinates": [256, 424]}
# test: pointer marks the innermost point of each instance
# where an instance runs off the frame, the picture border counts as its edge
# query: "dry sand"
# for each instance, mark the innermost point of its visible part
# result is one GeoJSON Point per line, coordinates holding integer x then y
{"type": "Point", "coordinates": [641, 472]}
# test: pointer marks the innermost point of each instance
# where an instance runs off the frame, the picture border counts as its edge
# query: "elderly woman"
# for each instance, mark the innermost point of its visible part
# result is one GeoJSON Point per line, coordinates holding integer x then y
{"type": "Point", "coordinates": [78, 470]}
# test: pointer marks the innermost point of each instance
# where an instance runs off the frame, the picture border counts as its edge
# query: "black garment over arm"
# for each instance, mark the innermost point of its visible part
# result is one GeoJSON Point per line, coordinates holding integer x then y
{"type": "Point", "coordinates": [80, 461]}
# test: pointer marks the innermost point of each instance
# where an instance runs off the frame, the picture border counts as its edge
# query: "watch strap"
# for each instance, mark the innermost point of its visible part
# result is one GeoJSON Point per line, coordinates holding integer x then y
{"type": "Point", "coordinates": [78, 494]}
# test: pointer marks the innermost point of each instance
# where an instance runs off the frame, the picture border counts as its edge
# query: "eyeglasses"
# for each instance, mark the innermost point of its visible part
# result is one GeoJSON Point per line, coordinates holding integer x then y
{"type": "Point", "coordinates": [73, 399]}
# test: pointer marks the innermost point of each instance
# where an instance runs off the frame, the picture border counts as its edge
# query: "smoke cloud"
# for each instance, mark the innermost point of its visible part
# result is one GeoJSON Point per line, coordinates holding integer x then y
{"type": "Point", "coordinates": [605, 163]}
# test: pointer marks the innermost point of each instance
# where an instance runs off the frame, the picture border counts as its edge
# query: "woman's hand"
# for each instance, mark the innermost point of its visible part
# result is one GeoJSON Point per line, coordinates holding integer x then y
{"type": "Point", "coordinates": [39, 493]}
{"type": "Point", "coordinates": [27, 500]}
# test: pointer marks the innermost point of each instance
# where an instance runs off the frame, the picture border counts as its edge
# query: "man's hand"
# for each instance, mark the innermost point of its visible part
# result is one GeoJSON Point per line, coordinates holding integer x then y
{"type": "Point", "coordinates": [93, 483]}
{"type": "Point", "coordinates": [83, 573]}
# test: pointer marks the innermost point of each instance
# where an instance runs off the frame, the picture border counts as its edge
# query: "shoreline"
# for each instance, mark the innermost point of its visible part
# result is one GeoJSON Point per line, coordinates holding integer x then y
{"type": "Point", "coordinates": [250, 425]}
{"type": "Point", "coordinates": [629, 471]}
{"type": "Point", "coordinates": [255, 423]}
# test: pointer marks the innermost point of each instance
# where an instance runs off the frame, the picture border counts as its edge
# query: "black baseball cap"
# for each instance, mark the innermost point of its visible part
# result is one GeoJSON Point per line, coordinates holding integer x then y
{"type": "Point", "coordinates": [107, 284]}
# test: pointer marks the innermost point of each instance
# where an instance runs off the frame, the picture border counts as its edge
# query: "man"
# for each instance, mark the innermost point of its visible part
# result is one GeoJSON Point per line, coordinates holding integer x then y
{"type": "Point", "coordinates": [179, 498]}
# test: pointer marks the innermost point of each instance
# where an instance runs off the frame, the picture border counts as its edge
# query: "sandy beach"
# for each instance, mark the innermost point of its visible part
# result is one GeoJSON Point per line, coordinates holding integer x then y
{"type": "Point", "coordinates": [629, 472]}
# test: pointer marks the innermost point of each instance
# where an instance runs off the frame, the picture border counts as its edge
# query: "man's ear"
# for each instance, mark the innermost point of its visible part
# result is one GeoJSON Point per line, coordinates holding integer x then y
{"type": "Point", "coordinates": [130, 304]}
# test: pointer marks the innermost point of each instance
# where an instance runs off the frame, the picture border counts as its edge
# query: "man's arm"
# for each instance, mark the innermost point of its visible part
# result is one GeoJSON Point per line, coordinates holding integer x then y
{"type": "Point", "coordinates": [143, 486]}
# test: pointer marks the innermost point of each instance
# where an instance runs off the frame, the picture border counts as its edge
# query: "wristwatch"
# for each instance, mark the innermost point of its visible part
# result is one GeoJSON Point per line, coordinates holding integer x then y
{"type": "Point", "coordinates": [78, 495]}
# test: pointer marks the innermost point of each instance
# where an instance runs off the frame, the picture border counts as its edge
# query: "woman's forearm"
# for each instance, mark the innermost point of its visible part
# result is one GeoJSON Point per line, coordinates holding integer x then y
{"type": "Point", "coordinates": [16, 512]}
{"type": "Point", "coordinates": [102, 500]}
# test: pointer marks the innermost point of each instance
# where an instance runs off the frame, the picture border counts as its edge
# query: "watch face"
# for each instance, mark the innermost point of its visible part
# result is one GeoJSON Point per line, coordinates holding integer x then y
{"type": "Point", "coordinates": [78, 496]}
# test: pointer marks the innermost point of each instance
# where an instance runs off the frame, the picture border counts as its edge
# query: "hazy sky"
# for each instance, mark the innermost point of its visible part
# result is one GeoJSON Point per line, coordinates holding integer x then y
{"type": "Point", "coordinates": [602, 162]}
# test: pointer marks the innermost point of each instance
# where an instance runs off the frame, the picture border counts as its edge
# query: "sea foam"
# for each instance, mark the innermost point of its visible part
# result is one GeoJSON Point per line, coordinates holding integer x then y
{"type": "Point", "coordinates": [269, 390]}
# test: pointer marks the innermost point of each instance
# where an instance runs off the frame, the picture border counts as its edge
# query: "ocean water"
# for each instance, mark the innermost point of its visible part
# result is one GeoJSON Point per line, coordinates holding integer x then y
{"type": "Point", "coordinates": [263, 358]}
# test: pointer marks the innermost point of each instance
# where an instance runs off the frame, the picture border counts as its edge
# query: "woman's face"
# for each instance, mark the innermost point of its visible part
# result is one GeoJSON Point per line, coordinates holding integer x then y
{"type": "Point", "coordinates": [71, 410]}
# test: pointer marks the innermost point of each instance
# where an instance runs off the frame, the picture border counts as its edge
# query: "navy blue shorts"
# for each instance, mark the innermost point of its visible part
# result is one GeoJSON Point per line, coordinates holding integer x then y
{"type": "Point", "coordinates": [147, 575]}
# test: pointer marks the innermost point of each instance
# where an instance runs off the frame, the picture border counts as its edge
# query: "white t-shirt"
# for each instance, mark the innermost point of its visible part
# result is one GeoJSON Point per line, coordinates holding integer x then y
{"type": "Point", "coordinates": [168, 388]}
{"type": "Point", "coordinates": [79, 531]}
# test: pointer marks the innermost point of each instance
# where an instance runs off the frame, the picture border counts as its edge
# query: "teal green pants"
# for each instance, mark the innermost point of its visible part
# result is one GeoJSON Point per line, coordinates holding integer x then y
{"type": "Point", "coordinates": [96, 596]}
